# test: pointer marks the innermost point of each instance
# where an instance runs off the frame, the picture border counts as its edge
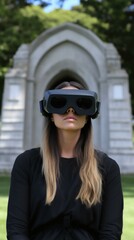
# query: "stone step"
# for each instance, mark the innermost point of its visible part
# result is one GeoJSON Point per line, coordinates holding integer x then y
{"type": "Point", "coordinates": [117, 126]}
{"type": "Point", "coordinates": [7, 106]}
{"type": "Point", "coordinates": [15, 151]}
{"type": "Point", "coordinates": [116, 113]}
{"type": "Point", "coordinates": [11, 143]}
{"type": "Point", "coordinates": [124, 160]}
{"type": "Point", "coordinates": [119, 135]}
{"type": "Point", "coordinates": [120, 143]}
{"type": "Point", "coordinates": [11, 120]}
{"type": "Point", "coordinates": [120, 105]}
{"type": "Point", "coordinates": [14, 126]}
{"type": "Point", "coordinates": [11, 135]}
{"type": "Point", "coordinates": [126, 120]}
{"type": "Point", "coordinates": [5, 167]}
{"type": "Point", "coordinates": [7, 160]}
{"type": "Point", "coordinates": [122, 151]}
{"type": "Point", "coordinates": [12, 114]}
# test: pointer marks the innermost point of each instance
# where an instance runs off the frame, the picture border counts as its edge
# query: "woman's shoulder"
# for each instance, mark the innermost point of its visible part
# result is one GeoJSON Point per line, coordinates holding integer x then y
{"type": "Point", "coordinates": [106, 163]}
{"type": "Point", "coordinates": [27, 158]}
{"type": "Point", "coordinates": [30, 153]}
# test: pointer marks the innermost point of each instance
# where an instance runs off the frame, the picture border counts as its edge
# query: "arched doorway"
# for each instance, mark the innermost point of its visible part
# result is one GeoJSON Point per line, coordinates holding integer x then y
{"type": "Point", "coordinates": [73, 53]}
{"type": "Point", "coordinates": [77, 52]}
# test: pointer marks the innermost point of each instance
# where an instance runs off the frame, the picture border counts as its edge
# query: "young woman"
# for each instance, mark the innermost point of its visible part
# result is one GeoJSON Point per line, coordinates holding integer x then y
{"type": "Point", "coordinates": [66, 190]}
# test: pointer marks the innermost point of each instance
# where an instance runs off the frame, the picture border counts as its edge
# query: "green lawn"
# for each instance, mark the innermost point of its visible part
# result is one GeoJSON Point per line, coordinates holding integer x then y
{"type": "Point", "coordinates": [128, 191]}
{"type": "Point", "coordinates": [4, 189]}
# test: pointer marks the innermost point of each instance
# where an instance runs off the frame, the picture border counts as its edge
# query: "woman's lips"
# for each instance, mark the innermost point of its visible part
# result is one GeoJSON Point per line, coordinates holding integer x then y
{"type": "Point", "coordinates": [70, 118]}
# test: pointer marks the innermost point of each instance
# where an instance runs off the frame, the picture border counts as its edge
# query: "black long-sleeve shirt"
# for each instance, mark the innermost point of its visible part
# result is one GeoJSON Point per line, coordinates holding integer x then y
{"type": "Point", "coordinates": [29, 218]}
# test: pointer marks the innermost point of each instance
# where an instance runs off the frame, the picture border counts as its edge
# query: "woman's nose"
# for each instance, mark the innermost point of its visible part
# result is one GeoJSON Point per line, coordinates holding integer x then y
{"type": "Point", "coordinates": [70, 110]}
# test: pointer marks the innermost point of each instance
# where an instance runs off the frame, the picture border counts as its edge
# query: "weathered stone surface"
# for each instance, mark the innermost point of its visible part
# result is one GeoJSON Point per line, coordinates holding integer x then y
{"type": "Point", "coordinates": [78, 52]}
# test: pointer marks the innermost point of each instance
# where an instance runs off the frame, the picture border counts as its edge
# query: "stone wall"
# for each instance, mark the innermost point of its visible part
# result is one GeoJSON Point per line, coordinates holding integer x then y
{"type": "Point", "coordinates": [72, 50]}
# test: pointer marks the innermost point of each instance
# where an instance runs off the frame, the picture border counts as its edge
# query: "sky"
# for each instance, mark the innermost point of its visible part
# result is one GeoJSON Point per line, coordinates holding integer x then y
{"type": "Point", "coordinates": [67, 5]}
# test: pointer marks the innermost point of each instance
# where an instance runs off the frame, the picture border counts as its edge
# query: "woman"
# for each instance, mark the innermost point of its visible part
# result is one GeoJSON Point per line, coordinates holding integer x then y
{"type": "Point", "coordinates": [66, 189]}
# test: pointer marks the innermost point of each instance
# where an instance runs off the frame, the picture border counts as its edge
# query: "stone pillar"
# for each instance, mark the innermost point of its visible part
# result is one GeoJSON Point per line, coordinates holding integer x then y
{"type": "Point", "coordinates": [120, 121]}
{"type": "Point", "coordinates": [13, 110]}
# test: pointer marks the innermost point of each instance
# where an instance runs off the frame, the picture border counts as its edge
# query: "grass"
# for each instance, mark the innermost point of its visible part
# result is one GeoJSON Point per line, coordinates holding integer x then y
{"type": "Point", "coordinates": [4, 189]}
{"type": "Point", "coordinates": [128, 192]}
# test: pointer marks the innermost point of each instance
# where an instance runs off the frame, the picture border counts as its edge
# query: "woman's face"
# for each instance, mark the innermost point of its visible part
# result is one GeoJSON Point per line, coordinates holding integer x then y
{"type": "Point", "coordinates": [70, 120]}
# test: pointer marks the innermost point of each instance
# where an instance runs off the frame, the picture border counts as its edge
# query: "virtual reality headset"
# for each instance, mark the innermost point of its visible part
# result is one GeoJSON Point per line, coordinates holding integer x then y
{"type": "Point", "coordinates": [84, 102]}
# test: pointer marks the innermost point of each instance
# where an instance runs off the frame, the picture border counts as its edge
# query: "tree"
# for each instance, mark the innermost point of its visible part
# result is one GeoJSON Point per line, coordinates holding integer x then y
{"type": "Point", "coordinates": [17, 26]}
{"type": "Point", "coordinates": [115, 26]}
{"type": "Point", "coordinates": [23, 24]}
{"type": "Point", "coordinates": [20, 22]}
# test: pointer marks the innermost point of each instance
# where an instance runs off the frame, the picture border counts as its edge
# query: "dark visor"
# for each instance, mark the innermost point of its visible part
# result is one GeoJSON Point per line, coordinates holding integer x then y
{"type": "Point", "coordinates": [84, 102]}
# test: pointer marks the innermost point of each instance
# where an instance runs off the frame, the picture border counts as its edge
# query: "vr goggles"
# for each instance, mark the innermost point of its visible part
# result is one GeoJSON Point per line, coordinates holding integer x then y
{"type": "Point", "coordinates": [84, 102]}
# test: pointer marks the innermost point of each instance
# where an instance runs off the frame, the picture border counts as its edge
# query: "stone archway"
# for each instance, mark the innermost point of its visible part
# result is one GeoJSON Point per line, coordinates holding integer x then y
{"type": "Point", "coordinates": [71, 51]}
{"type": "Point", "coordinates": [78, 52]}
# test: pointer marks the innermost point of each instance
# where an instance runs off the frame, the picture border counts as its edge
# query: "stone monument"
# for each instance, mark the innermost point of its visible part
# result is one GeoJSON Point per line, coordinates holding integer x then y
{"type": "Point", "coordinates": [77, 52]}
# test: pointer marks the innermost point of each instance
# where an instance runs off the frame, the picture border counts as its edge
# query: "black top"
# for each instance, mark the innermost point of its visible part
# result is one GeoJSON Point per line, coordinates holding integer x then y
{"type": "Point", "coordinates": [29, 218]}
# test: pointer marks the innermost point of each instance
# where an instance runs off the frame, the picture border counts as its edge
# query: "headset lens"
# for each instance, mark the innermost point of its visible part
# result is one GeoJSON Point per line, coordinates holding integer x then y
{"type": "Point", "coordinates": [58, 102]}
{"type": "Point", "coordinates": [84, 103]}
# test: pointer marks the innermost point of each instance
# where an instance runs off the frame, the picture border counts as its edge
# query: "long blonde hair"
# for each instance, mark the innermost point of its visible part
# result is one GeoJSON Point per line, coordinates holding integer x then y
{"type": "Point", "coordinates": [91, 180]}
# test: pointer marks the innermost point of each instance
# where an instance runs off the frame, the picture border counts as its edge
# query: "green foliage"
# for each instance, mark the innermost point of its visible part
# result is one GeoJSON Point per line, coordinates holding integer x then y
{"type": "Point", "coordinates": [128, 192]}
{"type": "Point", "coordinates": [17, 26]}
{"type": "Point", "coordinates": [60, 16]}
{"type": "Point", "coordinates": [4, 190]}
{"type": "Point", "coordinates": [23, 24]}
{"type": "Point", "coordinates": [115, 26]}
